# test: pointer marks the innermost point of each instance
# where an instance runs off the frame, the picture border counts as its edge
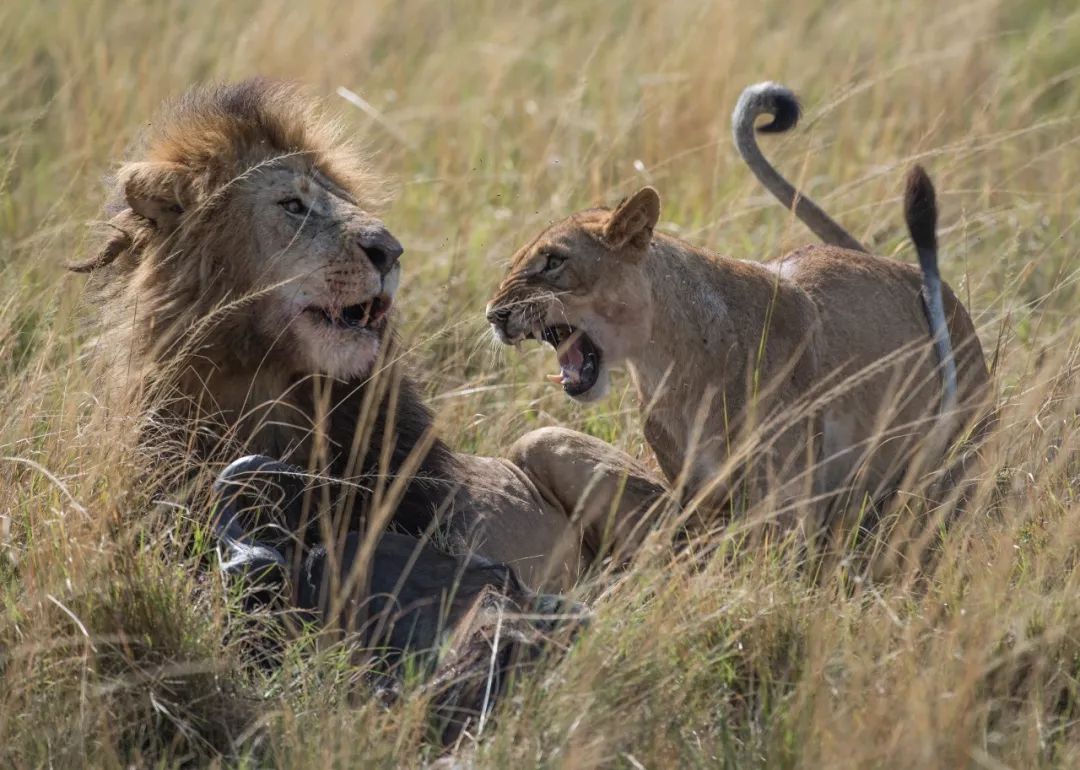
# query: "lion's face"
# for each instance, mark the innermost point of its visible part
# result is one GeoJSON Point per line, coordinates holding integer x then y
{"type": "Point", "coordinates": [580, 287]}
{"type": "Point", "coordinates": [331, 269]}
{"type": "Point", "coordinates": [241, 239]}
{"type": "Point", "coordinates": [310, 274]}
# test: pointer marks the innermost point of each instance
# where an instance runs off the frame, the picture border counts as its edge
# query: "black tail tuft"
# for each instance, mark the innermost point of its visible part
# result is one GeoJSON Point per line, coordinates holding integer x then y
{"type": "Point", "coordinates": [920, 209]}
{"type": "Point", "coordinates": [785, 109]}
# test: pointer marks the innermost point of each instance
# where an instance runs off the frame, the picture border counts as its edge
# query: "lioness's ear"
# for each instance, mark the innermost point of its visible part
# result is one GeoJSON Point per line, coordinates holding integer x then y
{"type": "Point", "coordinates": [159, 192]}
{"type": "Point", "coordinates": [633, 221]}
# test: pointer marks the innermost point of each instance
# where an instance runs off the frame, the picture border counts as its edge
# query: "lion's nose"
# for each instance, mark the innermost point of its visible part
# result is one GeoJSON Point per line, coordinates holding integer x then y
{"type": "Point", "coordinates": [381, 248]}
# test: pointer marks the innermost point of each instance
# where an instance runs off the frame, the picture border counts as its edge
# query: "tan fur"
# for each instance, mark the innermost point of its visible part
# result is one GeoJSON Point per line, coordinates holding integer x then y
{"type": "Point", "coordinates": [746, 371]}
{"type": "Point", "coordinates": [206, 283]}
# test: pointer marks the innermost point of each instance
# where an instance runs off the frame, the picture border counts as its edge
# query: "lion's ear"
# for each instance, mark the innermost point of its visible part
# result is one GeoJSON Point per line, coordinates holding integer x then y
{"type": "Point", "coordinates": [157, 191]}
{"type": "Point", "coordinates": [633, 221]}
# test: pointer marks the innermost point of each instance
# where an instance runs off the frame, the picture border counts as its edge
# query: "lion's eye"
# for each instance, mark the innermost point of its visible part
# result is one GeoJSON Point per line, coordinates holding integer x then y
{"type": "Point", "coordinates": [554, 262]}
{"type": "Point", "coordinates": [293, 206]}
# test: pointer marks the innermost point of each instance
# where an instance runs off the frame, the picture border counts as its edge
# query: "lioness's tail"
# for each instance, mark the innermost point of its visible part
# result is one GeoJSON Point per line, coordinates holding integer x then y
{"type": "Point", "coordinates": [920, 211]}
{"type": "Point", "coordinates": [778, 101]}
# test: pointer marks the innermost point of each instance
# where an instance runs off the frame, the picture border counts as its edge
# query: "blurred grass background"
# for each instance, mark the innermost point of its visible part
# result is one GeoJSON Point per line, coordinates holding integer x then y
{"type": "Point", "coordinates": [495, 118]}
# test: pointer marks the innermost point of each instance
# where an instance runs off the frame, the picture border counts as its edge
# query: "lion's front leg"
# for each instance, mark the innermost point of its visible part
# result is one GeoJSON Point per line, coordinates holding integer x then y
{"type": "Point", "coordinates": [596, 486]}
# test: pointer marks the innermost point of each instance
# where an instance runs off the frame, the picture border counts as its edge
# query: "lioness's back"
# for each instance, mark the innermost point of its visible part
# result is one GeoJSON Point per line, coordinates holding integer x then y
{"type": "Point", "coordinates": [880, 301]}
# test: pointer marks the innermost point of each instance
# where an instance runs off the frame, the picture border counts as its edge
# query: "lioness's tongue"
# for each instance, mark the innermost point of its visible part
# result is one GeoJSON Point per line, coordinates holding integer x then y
{"type": "Point", "coordinates": [571, 357]}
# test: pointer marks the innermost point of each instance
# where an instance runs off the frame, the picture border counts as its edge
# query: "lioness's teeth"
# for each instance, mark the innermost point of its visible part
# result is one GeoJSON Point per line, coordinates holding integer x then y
{"type": "Point", "coordinates": [555, 378]}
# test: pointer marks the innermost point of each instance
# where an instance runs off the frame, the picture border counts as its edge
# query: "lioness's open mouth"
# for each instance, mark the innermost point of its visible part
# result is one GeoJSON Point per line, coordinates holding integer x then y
{"type": "Point", "coordinates": [579, 357]}
{"type": "Point", "coordinates": [365, 315]}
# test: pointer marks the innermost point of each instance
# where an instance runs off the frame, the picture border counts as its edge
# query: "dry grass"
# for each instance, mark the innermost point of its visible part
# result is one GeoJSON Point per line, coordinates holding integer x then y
{"type": "Point", "coordinates": [497, 117]}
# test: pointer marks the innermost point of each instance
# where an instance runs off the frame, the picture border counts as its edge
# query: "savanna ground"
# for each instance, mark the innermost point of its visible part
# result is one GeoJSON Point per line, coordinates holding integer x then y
{"type": "Point", "coordinates": [495, 117]}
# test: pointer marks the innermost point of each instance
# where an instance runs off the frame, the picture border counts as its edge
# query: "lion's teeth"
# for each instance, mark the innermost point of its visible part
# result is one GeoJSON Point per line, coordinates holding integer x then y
{"type": "Point", "coordinates": [555, 378]}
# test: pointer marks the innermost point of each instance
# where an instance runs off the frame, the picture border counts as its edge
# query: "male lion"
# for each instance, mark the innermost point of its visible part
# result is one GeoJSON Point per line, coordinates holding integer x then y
{"type": "Point", "coordinates": [810, 377]}
{"type": "Point", "coordinates": [246, 296]}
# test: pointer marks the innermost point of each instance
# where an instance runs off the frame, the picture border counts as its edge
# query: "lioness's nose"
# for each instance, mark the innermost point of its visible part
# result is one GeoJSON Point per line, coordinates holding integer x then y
{"type": "Point", "coordinates": [381, 248]}
{"type": "Point", "coordinates": [496, 316]}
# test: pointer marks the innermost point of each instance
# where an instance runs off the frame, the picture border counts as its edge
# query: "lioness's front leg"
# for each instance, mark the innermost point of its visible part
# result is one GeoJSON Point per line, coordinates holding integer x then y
{"type": "Point", "coordinates": [601, 489]}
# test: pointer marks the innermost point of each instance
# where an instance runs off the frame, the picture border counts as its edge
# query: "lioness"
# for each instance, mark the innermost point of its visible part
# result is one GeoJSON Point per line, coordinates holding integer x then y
{"type": "Point", "coordinates": [823, 360]}
{"type": "Point", "coordinates": [246, 296]}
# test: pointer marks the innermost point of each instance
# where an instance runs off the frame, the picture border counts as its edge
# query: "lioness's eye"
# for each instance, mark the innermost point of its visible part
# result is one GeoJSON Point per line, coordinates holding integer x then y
{"type": "Point", "coordinates": [293, 206]}
{"type": "Point", "coordinates": [554, 262]}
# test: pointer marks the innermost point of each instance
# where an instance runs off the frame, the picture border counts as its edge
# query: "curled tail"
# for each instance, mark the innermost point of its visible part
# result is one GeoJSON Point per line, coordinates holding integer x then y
{"type": "Point", "coordinates": [779, 102]}
{"type": "Point", "coordinates": [920, 211]}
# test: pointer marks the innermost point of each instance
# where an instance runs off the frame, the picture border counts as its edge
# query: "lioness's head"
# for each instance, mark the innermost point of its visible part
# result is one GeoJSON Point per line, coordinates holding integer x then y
{"type": "Point", "coordinates": [246, 216]}
{"type": "Point", "coordinates": [579, 287]}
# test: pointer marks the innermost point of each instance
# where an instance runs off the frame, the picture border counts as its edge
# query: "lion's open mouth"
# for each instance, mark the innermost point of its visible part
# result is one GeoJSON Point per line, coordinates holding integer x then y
{"type": "Point", "coordinates": [579, 357]}
{"type": "Point", "coordinates": [364, 315]}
